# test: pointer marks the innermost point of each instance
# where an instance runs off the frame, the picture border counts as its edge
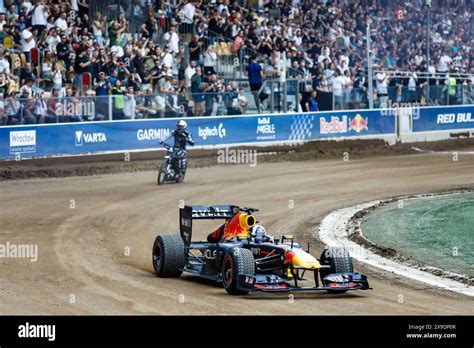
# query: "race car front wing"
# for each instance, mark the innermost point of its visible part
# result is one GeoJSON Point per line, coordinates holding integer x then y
{"type": "Point", "coordinates": [333, 282]}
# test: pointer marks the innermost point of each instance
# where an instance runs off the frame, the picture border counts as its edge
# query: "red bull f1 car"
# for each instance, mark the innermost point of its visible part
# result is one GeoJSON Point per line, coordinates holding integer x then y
{"type": "Point", "coordinates": [244, 264]}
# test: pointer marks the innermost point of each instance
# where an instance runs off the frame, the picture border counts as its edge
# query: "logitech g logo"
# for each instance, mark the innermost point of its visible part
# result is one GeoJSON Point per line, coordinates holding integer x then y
{"type": "Point", "coordinates": [222, 131]}
{"type": "Point", "coordinates": [206, 132]}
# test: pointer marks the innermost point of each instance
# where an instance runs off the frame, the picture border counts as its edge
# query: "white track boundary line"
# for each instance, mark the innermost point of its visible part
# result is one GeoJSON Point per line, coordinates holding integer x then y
{"type": "Point", "coordinates": [333, 231]}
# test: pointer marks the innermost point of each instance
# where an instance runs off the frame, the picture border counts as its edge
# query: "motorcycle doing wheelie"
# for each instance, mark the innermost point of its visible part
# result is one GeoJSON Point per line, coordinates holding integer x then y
{"type": "Point", "coordinates": [173, 168]}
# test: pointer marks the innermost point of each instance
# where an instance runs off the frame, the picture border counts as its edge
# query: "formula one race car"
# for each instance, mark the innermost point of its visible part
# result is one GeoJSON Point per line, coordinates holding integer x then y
{"type": "Point", "coordinates": [244, 263]}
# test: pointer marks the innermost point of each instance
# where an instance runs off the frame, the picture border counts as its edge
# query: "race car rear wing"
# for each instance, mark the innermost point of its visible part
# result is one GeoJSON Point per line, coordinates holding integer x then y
{"type": "Point", "coordinates": [201, 212]}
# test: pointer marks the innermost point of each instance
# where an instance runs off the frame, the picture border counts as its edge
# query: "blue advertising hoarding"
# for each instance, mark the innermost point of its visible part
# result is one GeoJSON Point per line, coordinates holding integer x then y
{"type": "Point", "coordinates": [100, 137]}
{"type": "Point", "coordinates": [444, 118]}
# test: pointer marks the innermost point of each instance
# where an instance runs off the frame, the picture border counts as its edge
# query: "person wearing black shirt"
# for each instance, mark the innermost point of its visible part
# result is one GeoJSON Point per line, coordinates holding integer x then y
{"type": "Point", "coordinates": [149, 28]}
{"type": "Point", "coordinates": [27, 74]}
{"type": "Point", "coordinates": [63, 50]}
{"type": "Point", "coordinates": [138, 62]}
{"type": "Point", "coordinates": [83, 65]}
{"type": "Point", "coordinates": [195, 49]}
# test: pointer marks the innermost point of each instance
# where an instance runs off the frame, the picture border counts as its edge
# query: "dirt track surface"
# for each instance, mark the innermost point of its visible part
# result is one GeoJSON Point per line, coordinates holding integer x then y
{"type": "Point", "coordinates": [142, 161]}
{"type": "Point", "coordinates": [82, 250]}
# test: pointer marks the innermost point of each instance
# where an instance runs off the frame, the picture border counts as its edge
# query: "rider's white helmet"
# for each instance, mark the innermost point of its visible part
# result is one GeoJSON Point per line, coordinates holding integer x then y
{"type": "Point", "coordinates": [181, 124]}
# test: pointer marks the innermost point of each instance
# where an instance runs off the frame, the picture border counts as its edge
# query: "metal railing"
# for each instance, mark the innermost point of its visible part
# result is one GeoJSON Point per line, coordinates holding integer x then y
{"type": "Point", "coordinates": [274, 97]}
{"type": "Point", "coordinates": [428, 95]}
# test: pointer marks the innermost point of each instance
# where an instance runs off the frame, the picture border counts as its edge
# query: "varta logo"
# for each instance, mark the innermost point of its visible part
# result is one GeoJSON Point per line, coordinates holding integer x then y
{"type": "Point", "coordinates": [87, 138]}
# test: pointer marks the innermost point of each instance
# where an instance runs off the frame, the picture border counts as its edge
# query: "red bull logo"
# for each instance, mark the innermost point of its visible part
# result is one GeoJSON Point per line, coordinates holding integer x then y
{"type": "Point", "coordinates": [334, 126]}
{"type": "Point", "coordinates": [358, 123]}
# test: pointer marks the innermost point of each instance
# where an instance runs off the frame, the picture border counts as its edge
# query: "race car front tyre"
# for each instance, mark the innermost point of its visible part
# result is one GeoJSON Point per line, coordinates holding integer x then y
{"type": "Point", "coordinates": [237, 262]}
{"type": "Point", "coordinates": [339, 260]}
{"type": "Point", "coordinates": [168, 256]}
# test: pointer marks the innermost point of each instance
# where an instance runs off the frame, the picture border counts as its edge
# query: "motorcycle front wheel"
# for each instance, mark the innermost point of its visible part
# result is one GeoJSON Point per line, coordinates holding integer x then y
{"type": "Point", "coordinates": [162, 174]}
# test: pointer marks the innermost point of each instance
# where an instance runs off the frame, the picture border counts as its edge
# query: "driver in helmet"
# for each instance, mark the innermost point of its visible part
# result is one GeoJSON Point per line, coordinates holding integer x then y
{"type": "Point", "coordinates": [259, 235]}
{"type": "Point", "coordinates": [181, 139]}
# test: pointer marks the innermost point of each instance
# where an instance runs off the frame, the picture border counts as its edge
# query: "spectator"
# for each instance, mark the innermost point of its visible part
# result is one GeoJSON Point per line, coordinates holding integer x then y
{"type": "Point", "coordinates": [195, 50]}
{"type": "Point", "coordinates": [130, 104]}
{"type": "Point", "coordinates": [172, 39]}
{"type": "Point", "coordinates": [118, 100]}
{"type": "Point", "coordinates": [312, 103]}
{"type": "Point", "coordinates": [338, 85]}
{"type": "Point", "coordinates": [241, 102]}
{"type": "Point", "coordinates": [210, 60]}
{"type": "Point", "coordinates": [255, 75]}
{"type": "Point", "coordinates": [98, 28]}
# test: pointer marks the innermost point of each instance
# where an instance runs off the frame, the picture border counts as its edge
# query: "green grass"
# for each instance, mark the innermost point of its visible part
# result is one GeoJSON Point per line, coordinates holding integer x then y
{"type": "Point", "coordinates": [436, 231]}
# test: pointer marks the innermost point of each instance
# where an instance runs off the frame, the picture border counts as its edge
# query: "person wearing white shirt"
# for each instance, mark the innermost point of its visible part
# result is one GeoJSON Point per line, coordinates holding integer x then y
{"type": "Point", "coordinates": [39, 16]}
{"type": "Point", "coordinates": [382, 88]}
{"type": "Point", "coordinates": [187, 13]}
{"type": "Point", "coordinates": [61, 22]}
{"type": "Point", "coordinates": [337, 89]}
{"type": "Point", "coordinates": [118, 49]}
{"type": "Point", "coordinates": [4, 65]}
{"type": "Point", "coordinates": [27, 4]}
{"type": "Point", "coordinates": [52, 40]}
{"type": "Point", "coordinates": [27, 42]}
{"type": "Point", "coordinates": [223, 7]}
{"type": "Point", "coordinates": [172, 39]}
{"type": "Point", "coordinates": [444, 63]}
{"type": "Point", "coordinates": [130, 104]}
{"type": "Point", "coordinates": [167, 58]}
{"type": "Point", "coordinates": [412, 87]}
{"type": "Point", "coordinates": [210, 60]}
{"type": "Point", "coordinates": [186, 16]}
{"type": "Point", "coordinates": [189, 73]}
{"type": "Point", "coordinates": [347, 88]}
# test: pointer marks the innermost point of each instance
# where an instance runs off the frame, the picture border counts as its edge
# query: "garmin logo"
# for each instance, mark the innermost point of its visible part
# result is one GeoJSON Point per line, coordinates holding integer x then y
{"type": "Point", "coordinates": [206, 132]}
{"type": "Point", "coordinates": [153, 134]}
{"type": "Point", "coordinates": [88, 138]}
{"type": "Point", "coordinates": [37, 331]}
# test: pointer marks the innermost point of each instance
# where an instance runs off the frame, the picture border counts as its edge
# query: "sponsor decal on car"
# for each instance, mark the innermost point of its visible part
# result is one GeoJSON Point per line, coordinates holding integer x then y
{"type": "Point", "coordinates": [23, 141]}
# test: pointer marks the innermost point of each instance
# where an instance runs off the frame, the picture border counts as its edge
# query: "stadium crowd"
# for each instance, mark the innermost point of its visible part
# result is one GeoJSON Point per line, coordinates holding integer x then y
{"type": "Point", "coordinates": [170, 65]}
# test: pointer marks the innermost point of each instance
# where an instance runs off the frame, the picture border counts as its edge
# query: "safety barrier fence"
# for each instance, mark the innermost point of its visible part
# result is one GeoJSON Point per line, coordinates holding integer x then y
{"type": "Point", "coordinates": [32, 141]}
{"type": "Point", "coordinates": [64, 108]}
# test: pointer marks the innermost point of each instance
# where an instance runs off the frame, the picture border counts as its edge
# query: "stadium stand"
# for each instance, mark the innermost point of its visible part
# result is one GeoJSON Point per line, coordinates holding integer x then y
{"type": "Point", "coordinates": [143, 58]}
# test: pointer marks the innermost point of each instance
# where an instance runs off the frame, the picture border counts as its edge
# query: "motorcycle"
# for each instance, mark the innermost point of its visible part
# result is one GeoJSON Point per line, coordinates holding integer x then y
{"type": "Point", "coordinates": [169, 169]}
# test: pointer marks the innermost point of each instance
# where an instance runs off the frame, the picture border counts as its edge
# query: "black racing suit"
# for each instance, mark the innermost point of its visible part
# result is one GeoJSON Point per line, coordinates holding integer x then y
{"type": "Point", "coordinates": [181, 139]}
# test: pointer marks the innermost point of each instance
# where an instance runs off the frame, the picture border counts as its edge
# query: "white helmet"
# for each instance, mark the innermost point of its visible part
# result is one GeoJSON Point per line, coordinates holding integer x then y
{"type": "Point", "coordinates": [181, 124]}
{"type": "Point", "coordinates": [258, 233]}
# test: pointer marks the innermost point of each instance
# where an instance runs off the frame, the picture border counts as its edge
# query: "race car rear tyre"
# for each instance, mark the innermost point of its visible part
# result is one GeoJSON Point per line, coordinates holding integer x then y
{"type": "Point", "coordinates": [237, 262]}
{"type": "Point", "coordinates": [340, 262]}
{"type": "Point", "coordinates": [168, 256]}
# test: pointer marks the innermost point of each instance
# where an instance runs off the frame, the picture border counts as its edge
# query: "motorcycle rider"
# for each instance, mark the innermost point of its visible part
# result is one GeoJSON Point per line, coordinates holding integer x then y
{"type": "Point", "coordinates": [181, 139]}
